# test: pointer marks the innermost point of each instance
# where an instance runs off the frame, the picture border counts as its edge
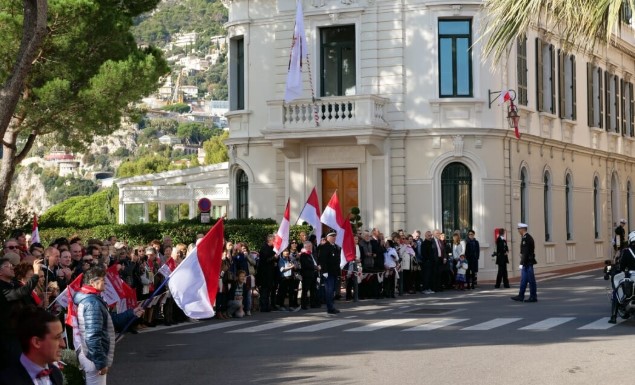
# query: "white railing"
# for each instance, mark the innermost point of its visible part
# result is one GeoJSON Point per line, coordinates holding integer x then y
{"type": "Point", "coordinates": [357, 111]}
{"type": "Point", "coordinates": [140, 194]}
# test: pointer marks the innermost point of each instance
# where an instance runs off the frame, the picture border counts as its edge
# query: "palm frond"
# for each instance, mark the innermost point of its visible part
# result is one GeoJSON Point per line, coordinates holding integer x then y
{"type": "Point", "coordinates": [582, 23]}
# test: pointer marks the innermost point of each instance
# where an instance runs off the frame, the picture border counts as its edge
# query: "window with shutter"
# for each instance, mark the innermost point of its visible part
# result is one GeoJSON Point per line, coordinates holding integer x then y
{"type": "Point", "coordinates": [521, 70]}
{"type": "Point", "coordinates": [539, 76]}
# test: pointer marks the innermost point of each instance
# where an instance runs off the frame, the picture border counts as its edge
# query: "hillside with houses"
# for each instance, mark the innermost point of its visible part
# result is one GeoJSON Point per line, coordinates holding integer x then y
{"type": "Point", "coordinates": [178, 122]}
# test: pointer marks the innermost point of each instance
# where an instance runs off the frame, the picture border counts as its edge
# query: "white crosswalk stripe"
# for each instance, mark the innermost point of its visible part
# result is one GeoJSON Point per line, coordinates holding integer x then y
{"type": "Point", "coordinates": [580, 276]}
{"type": "Point", "coordinates": [213, 326]}
{"type": "Point", "coordinates": [548, 323]}
{"type": "Point", "coordinates": [312, 325]}
{"type": "Point", "coordinates": [381, 325]}
{"type": "Point", "coordinates": [438, 324]}
{"type": "Point", "coordinates": [601, 324]}
{"type": "Point", "coordinates": [496, 322]}
{"type": "Point", "coordinates": [270, 325]}
{"type": "Point", "coordinates": [321, 326]}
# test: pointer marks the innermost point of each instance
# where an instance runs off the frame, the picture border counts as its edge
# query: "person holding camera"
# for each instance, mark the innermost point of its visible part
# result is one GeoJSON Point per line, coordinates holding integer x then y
{"type": "Point", "coordinates": [12, 298]}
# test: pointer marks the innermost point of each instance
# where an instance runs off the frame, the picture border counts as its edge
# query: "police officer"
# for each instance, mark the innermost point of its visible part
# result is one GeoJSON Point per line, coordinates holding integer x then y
{"type": "Point", "coordinates": [527, 262]}
{"type": "Point", "coordinates": [627, 263]}
{"type": "Point", "coordinates": [329, 266]}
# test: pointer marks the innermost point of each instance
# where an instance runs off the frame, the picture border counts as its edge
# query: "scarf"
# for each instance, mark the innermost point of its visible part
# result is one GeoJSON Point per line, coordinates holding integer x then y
{"type": "Point", "coordinates": [88, 289]}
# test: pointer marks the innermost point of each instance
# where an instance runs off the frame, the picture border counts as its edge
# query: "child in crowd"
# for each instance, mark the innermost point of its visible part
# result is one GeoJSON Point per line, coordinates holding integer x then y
{"type": "Point", "coordinates": [239, 297]}
{"type": "Point", "coordinates": [461, 269]}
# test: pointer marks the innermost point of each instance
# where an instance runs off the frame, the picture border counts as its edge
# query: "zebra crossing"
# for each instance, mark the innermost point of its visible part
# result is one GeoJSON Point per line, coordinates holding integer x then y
{"type": "Point", "coordinates": [354, 324]}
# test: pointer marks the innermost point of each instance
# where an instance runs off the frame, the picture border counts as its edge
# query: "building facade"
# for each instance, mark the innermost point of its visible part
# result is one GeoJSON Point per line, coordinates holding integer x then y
{"type": "Point", "coordinates": [406, 127]}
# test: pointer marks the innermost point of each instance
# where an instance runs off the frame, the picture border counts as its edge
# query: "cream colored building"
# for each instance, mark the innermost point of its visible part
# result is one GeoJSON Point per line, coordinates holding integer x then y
{"type": "Point", "coordinates": [406, 131]}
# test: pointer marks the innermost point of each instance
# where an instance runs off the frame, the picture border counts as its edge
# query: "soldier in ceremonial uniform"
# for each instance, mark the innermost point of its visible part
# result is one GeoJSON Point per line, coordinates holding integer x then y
{"type": "Point", "coordinates": [527, 262]}
{"type": "Point", "coordinates": [329, 265]}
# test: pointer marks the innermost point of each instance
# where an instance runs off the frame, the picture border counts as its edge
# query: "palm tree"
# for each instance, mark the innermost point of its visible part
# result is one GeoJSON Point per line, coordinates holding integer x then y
{"type": "Point", "coordinates": [582, 23]}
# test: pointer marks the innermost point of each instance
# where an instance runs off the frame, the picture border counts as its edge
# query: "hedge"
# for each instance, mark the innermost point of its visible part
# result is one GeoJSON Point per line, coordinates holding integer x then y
{"type": "Point", "coordinates": [253, 232]}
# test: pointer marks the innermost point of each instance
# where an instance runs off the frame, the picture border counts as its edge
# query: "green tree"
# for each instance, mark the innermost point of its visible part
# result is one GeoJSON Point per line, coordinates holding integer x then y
{"type": "Point", "coordinates": [195, 132]}
{"type": "Point", "coordinates": [78, 82]}
{"type": "Point", "coordinates": [216, 150]}
{"type": "Point", "coordinates": [582, 23]}
{"type": "Point", "coordinates": [181, 108]}
{"type": "Point", "coordinates": [81, 211]}
{"type": "Point", "coordinates": [147, 164]}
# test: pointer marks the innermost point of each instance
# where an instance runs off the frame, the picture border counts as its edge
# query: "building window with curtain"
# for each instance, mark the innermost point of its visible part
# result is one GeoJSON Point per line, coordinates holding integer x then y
{"type": "Point", "coordinates": [626, 90]}
{"type": "Point", "coordinates": [242, 195]}
{"type": "Point", "coordinates": [612, 102]}
{"type": "Point", "coordinates": [566, 86]}
{"type": "Point", "coordinates": [338, 62]}
{"type": "Point", "coordinates": [456, 193]}
{"type": "Point", "coordinates": [629, 196]}
{"type": "Point", "coordinates": [545, 77]}
{"type": "Point", "coordinates": [595, 107]}
{"type": "Point", "coordinates": [521, 69]}
{"type": "Point", "coordinates": [455, 58]}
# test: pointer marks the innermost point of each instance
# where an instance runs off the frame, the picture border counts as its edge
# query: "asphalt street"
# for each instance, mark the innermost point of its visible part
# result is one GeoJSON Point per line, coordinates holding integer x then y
{"type": "Point", "coordinates": [452, 337]}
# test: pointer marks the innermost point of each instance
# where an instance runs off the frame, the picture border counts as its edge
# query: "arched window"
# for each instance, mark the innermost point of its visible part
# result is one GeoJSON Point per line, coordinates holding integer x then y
{"type": "Point", "coordinates": [629, 196]}
{"type": "Point", "coordinates": [547, 206]}
{"type": "Point", "coordinates": [596, 207]}
{"type": "Point", "coordinates": [569, 206]}
{"type": "Point", "coordinates": [523, 195]}
{"type": "Point", "coordinates": [242, 195]}
{"type": "Point", "coordinates": [616, 213]}
{"type": "Point", "coordinates": [456, 195]}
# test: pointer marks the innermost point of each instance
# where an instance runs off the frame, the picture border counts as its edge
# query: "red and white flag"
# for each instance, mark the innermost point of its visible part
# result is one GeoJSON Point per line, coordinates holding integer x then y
{"type": "Point", "coordinates": [507, 96]}
{"type": "Point", "coordinates": [332, 217]}
{"type": "Point", "coordinates": [311, 214]}
{"type": "Point", "coordinates": [194, 282]}
{"type": "Point", "coordinates": [293, 88]}
{"type": "Point", "coordinates": [35, 234]}
{"type": "Point", "coordinates": [282, 236]}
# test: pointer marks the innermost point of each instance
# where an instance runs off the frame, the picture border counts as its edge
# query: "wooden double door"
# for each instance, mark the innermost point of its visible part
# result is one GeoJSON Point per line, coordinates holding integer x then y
{"type": "Point", "coordinates": [345, 182]}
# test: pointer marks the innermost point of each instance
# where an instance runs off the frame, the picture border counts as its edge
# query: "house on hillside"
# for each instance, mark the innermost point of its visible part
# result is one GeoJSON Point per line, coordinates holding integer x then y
{"type": "Point", "coordinates": [408, 125]}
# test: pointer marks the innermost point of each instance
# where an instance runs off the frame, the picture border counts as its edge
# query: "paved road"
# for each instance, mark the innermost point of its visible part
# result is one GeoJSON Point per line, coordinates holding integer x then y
{"type": "Point", "coordinates": [472, 337]}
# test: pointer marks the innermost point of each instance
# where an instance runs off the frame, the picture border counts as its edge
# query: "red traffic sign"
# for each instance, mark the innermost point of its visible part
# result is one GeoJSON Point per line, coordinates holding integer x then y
{"type": "Point", "coordinates": [204, 205]}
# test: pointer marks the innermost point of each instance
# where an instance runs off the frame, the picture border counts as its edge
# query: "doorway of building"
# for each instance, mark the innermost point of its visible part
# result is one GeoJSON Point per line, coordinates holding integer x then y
{"type": "Point", "coordinates": [344, 181]}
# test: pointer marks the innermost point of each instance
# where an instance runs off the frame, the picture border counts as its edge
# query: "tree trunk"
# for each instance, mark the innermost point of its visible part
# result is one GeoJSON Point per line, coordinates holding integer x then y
{"type": "Point", "coordinates": [33, 33]}
{"type": "Point", "coordinates": [10, 159]}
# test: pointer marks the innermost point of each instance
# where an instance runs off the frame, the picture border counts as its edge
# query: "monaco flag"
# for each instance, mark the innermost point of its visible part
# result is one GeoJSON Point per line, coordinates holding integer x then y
{"type": "Point", "coordinates": [311, 214]}
{"type": "Point", "coordinates": [282, 236]}
{"type": "Point", "coordinates": [35, 235]}
{"type": "Point", "coordinates": [332, 217]}
{"type": "Point", "coordinates": [194, 282]}
{"type": "Point", "coordinates": [293, 88]}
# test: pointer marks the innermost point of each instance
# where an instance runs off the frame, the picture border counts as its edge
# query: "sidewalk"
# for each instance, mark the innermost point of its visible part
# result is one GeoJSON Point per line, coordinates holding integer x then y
{"type": "Point", "coordinates": [556, 273]}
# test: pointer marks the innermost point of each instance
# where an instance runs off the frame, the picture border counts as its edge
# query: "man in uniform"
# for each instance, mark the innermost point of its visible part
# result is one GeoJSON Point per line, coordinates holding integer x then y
{"type": "Point", "coordinates": [527, 262]}
{"type": "Point", "coordinates": [329, 262]}
{"type": "Point", "coordinates": [619, 242]}
{"type": "Point", "coordinates": [627, 263]}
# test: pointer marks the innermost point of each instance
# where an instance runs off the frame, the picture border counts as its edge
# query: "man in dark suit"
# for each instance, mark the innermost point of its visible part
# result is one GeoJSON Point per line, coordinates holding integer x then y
{"type": "Point", "coordinates": [41, 337]}
{"type": "Point", "coordinates": [309, 272]}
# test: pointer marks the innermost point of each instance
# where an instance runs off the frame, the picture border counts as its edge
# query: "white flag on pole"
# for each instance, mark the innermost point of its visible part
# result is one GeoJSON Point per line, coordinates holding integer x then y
{"type": "Point", "coordinates": [293, 89]}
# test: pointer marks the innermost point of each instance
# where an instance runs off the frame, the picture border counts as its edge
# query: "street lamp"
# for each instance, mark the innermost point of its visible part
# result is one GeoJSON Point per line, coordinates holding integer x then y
{"type": "Point", "coordinates": [512, 110]}
{"type": "Point", "coordinates": [512, 115]}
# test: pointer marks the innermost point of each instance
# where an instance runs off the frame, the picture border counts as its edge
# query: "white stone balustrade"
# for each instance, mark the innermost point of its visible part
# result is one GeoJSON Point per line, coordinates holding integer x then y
{"type": "Point", "coordinates": [356, 111]}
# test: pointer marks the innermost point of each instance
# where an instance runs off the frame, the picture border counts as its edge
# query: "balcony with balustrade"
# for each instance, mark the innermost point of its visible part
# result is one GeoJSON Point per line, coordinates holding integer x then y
{"type": "Point", "coordinates": [361, 117]}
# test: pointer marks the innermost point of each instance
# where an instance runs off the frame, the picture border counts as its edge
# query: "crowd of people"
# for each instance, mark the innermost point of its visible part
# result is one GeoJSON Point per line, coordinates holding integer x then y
{"type": "Point", "coordinates": [309, 273]}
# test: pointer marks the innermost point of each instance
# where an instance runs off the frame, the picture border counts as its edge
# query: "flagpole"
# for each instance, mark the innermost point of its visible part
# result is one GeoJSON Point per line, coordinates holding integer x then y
{"type": "Point", "coordinates": [143, 305]}
{"type": "Point", "coordinates": [315, 107]}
